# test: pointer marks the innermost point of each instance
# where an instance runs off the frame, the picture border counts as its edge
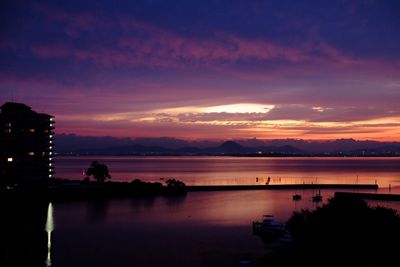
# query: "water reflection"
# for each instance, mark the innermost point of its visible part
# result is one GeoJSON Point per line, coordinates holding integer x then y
{"type": "Point", "coordinates": [199, 229]}
{"type": "Point", "coordinates": [174, 200]}
{"type": "Point", "coordinates": [236, 170]}
{"type": "Point", "coordinates": [152, 231]}
{"type": "Point", "coordinates": [97, 210]}
{"type": "Point", "coordinates": [49, 228]}
{"type": "Point", "coordinates": [138, 203]}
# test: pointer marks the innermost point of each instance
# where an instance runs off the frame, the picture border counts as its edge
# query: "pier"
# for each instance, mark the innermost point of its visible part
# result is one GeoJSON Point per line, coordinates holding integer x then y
{"type": "Point", "coordinates": [369, 196]}
{"type": "Point", "coordinates": [280, 186]}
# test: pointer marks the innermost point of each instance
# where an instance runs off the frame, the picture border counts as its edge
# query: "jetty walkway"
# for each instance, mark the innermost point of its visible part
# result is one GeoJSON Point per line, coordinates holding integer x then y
{"type": "Point", "coordinates": [369, 196]}
{"type": "Point", "coordinates": [280, 186]}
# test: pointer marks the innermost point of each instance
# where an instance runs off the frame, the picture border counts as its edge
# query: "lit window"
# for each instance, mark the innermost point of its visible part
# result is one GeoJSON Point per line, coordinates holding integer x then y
{"type": "Point", "coordinates": [50, 175]}
{"type": "Point", "coordinates": [31, 153]}
{"type": "Point", "coordinates": [50, 147]}
{"type": "Point", "coordinates": [50, 142]}
{"type": "Point", "coordinates": [50, 159]}
{"type": "Point", "coordinates": [10, 159]}
{"type": "Point", "coordinates": [32, 130]}
{"type": "Point", "coordinates": [51, 125]}
{"type": "Point", "coordinates": [44, 154]}
{"type": "Point", "coordinates": [51, 119]}
{"type": "Point", "coordinates": [50, 153]}
{"type": "Point", "coordinates": [51, 136]}
{"type": "Point", "coordinates": [49, 164]}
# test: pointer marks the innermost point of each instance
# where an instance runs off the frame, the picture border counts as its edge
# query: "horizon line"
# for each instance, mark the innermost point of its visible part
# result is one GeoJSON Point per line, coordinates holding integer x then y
{"type": "Point", "coordinates": [227, 139]}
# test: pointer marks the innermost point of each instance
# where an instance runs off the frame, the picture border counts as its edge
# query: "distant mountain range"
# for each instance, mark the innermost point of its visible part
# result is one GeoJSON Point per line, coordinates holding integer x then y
{"type": "Point", "coordinates": [68, 144]}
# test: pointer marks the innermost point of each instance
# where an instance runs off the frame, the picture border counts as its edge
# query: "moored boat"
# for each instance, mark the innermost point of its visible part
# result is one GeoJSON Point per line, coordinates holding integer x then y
{"type": "Point", "coordinates": [268, 228]}
{"type": "Point", "coordinates": [317, 197]}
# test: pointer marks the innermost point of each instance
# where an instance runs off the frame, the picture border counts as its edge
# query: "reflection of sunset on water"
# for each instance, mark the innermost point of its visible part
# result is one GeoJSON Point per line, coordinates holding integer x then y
{"type": "Point", "coordinates": [242, 170]}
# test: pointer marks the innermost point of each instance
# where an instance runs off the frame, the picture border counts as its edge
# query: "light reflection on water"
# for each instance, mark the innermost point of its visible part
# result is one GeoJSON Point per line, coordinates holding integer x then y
{"type": "Point", "coordinates": [240, 170]}
{"type": "Point", "coordinates": [199, 229]}
{"type": "Point", "coordinates": [49, 228]}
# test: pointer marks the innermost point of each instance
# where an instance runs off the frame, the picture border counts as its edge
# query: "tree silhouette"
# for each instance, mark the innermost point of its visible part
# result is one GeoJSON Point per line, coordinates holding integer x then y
{"type": "Point", "coordinates": [99, 171]}
{"type": "Point", "coordinates": [175, 183]}
{"type": "Point", "coordinates": [344, 232]}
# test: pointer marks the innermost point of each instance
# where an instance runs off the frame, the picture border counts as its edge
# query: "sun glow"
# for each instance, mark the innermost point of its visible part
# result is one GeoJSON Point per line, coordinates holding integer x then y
{"type": "Point", "coordinates": [240, 108]}
{"type": "Point", "coordinates": [231, 108]}
{"type": "Point", "coordinates": [241, 120]}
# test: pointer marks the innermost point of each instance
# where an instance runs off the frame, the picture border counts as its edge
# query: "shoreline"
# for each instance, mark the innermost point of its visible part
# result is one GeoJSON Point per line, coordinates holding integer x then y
{"type": "Point", "coordinates": [67, 190]}
{"type": "Point", "coordinates": [231, 155]}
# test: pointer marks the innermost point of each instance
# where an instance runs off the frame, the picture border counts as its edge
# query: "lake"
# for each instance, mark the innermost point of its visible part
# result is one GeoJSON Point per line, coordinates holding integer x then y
{"type": "Point", "coordinates": [239, 170]}
{"type": "Point", "coordinates": [199, 229]}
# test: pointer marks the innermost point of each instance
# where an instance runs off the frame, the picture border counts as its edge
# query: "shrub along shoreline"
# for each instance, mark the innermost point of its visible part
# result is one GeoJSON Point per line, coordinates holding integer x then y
{"type": "Point", "coordinates": [64, 190]}
{"type": "Point", "coordinates": [343, 232]}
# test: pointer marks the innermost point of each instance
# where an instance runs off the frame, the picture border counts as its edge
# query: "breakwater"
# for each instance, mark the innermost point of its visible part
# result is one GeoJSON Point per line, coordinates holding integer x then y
{"type": "Point", "coordinates": [369, 196]}
{"type": "Point", "coordinates": [77, 191]}
{"type": "Point", "coordinates": [280, 186]}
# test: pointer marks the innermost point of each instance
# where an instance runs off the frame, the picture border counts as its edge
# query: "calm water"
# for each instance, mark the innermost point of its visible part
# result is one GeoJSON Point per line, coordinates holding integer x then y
{"type": "Point", "coordinates": [235, 170]}
{"type": "Point", "coordinates": [199, 229]}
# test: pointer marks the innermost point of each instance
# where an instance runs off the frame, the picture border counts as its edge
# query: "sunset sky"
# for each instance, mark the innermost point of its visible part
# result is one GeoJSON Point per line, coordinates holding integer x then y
{"type": "Point", "coordinates": [206, 69]}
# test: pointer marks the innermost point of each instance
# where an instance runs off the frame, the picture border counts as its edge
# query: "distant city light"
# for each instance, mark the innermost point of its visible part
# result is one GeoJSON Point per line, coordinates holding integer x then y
{"type": "Point", "coordinates": [32, 153]}
{"type": "Point", "coordinates": [10, 159]}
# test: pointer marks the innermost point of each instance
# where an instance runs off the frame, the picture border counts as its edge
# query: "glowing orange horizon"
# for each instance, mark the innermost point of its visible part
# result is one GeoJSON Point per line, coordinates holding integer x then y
{"type": "Point", "coordinates": [240, 121]}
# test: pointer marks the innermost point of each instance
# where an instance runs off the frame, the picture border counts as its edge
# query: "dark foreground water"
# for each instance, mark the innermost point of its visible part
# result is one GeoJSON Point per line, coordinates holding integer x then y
{"type": "Point", "coordinates": [199, 229]}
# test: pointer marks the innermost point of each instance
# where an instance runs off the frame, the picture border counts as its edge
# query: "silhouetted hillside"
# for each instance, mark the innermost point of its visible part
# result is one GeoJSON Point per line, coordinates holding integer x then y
{"type": "Point", "coordinates": [229, 147]}
{"type": "Point", "coordinates": [73, 144]}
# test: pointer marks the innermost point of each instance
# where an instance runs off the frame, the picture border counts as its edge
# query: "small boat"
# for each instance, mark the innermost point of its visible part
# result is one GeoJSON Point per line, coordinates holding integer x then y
{"type": "Point", "coordinates": [296, 197]}
{"type": "Point", "coordinates": [268, 228]}
{"type": "Point", "coordinates": [317, 197]}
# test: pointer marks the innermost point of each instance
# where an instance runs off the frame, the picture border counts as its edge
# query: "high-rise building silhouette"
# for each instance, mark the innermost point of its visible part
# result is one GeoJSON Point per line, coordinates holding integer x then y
{"type": "Point", "coordinates": [26, 146]}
